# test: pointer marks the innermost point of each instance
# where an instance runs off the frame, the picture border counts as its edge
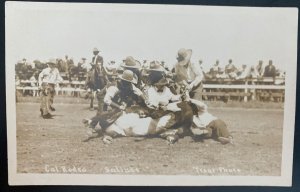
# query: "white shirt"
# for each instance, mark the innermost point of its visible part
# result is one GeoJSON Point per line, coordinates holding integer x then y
{"type": "Point", "coordinates": [33, 81]}
{"type": "Point", "coordinates": [86, 66]}
{"type": "Point", "coordinates": [203, 118]}
{"type": "Point", "coordinates": [49, 75]}
{"type": "Point", "coordinates": [156, 98]}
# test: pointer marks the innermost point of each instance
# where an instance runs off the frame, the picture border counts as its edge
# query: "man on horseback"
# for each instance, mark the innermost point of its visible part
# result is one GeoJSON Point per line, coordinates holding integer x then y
{"type": "Point", "coordinates": [95, 80]}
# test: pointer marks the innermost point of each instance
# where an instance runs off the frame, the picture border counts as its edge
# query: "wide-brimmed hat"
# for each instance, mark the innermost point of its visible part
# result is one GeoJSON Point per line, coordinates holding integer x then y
{"type": "Point", "coordinates": [184, 56]}
{"type": "Point", "coordinates": [128, 76]}
{"type": "Point", "coordinates": [162, 81]}
{"type": "Point", "coordinates": [95, 50]}
{"type": "Point", "coordinates": [51, 62]}
{"type": "Point", "coordinates": [130, 62]}
{"type": "Point", "coordinates": [156, 66]}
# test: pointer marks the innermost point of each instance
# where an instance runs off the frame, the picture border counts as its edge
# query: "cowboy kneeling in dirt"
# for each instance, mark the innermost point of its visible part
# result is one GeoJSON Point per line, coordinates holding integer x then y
{"type": "Point", "coordinates": [207, 126]}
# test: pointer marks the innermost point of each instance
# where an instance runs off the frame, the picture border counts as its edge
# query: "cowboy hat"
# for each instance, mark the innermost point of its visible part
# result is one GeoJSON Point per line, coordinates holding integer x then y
{"type": "Point", "coordinates": [162, 81]}
{"type": "Point", "coordinates": [95, 50]}
{"type": "Point", "coordinates": [184, 56]}
{"type": "Point", "coordinates": [128, 76]}
{"type": "Point", "coordinates": [51, 61]}
{"type": "Point", "coordinates": [156, 66]}
{"type": "Point", "coordinates": [130, 62]}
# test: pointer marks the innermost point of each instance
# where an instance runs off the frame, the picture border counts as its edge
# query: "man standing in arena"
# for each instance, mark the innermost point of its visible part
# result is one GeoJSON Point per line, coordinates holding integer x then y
{"type": "Point", "coordinates": [189, 73]}
{"type": "Point", "coordinates": [48, 78]}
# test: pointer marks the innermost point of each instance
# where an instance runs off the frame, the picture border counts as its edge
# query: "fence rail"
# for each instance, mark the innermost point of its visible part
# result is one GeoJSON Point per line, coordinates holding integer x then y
{"type": "Point", "coordinates": [248, 89]}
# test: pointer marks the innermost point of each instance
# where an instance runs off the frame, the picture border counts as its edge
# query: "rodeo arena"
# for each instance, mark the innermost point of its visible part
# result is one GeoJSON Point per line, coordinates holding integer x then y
{"type": "Point", "coordinates": [79, 113]}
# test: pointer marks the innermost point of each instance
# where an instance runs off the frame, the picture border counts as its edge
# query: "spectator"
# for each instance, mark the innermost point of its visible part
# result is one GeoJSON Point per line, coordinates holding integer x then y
{"type": "Point", "coordinates": [242, 72]}
{"type": "Point", "coordinates": [270, 70]}
{"type": "Point", "coordinates": [112, 63]}
{"type": "Point", "coordinates": [65, 64]}
{"type": "Point", "coordinates": [231, 70]}
{"type": "Point", "coordinates": [252, 74]}
{"type": "Point", "coordinates": [33, 83]}
{"type": "Point", "coordinates": [221, 73]}
{"type": "Point", "coordinates": [85, 65]}
{"type": "Point", "coordinates": [260, 68]}
{"type": "Point", "coordinates": [214, 70]}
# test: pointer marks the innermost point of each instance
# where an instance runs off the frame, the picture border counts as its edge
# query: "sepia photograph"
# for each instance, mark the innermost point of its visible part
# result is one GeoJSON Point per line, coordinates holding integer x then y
{"type": "Point", "coordinates": [136, 94]}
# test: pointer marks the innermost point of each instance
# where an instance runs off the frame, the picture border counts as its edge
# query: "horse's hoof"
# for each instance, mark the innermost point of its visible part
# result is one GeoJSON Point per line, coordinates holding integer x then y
{"type": "Point", "coordinates": [107, 139]}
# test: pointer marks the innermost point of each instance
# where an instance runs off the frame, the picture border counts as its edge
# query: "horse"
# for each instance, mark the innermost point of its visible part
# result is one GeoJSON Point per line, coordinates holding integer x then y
{"type": "Point", "coordinates": [138, 123]}
{"type": "Point", "coordinates": [95, 82]}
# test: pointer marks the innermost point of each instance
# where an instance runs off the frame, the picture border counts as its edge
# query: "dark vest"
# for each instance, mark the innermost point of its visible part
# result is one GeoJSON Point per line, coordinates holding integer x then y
{"type": "Point", "coordinates": [125, 94]}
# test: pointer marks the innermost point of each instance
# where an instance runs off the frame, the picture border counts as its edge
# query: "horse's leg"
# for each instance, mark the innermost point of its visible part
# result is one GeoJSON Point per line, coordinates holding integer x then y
{"type": "Point", "coordinates": [111, 132]}
{"type": "Point", "coordinates": [92, 100]}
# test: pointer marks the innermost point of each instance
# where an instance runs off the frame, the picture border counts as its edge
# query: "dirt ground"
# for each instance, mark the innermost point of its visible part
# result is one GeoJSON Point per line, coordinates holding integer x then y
{"type": "Point", "coordinates": [59, 146]}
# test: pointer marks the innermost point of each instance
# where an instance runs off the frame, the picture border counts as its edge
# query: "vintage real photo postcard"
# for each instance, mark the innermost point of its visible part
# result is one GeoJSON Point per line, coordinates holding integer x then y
{"type": "Point", "coordinates": [164, 95]}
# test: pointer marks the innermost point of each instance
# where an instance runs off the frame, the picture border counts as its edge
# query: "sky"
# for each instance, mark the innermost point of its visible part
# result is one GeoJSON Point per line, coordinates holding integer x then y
{"type": "Point", "coordinates": [152, 32]}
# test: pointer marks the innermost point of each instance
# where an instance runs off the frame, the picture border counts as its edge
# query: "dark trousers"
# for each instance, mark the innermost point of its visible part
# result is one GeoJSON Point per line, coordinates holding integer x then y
{"type": "Point", "coordinates": [217, 128]}
{"type": "Point", "coordinates": [105, 118]}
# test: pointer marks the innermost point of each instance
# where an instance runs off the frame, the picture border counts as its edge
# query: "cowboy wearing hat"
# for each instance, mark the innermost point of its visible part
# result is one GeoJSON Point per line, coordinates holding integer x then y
{"type": "Point", "coordinates": [163, 104]}
{"type": "Point", "coordinates": [155, 72]}
{"type": "Point", "coordinates": [48, 78]}
{"type": "Point", "coordinates": [189, 73]}
{"type": "Point", "coordinates": [129, 63]}
{"type": "Point", "coordinates": [159, 95]}
{"type": "Point", "coordinates": [118, 97]}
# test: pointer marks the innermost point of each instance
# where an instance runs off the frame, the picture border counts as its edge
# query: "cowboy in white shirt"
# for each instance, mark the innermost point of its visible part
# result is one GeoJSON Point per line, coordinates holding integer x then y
{"type": "Point", "coordinates": [160, 95]}
{"type": "Point", "coordinates": [48, 78]}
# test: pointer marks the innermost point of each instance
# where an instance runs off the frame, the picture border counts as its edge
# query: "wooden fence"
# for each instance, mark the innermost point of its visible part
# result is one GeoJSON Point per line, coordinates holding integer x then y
{"type": "Point", "coordinates": [247, 89]}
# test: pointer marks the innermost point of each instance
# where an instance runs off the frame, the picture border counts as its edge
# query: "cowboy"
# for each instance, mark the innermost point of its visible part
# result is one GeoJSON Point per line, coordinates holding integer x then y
{"type": "Point", "coordinates": [129, 63]}
{"type": "Point", "coordinates": [163, 104]}
{"type": "Point", "coordinates": [48, 78]}
{"type": "Point", "coordinates": [189, 73]}
{"type": "Point", "coordinates": [155, 72]}
{"type": "Point", "coordinates": [118, 97]}
{"type": "Point", "coordinates": [95, 80]}
{"type": "Point", "coordinates": [208, 126]}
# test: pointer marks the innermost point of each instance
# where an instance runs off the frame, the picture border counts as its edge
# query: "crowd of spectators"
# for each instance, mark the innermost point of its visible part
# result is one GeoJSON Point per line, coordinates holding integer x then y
{"type": "Point", "coordinates": [230, 71]}
{"type": "Point", "coordinates": [71, 71]}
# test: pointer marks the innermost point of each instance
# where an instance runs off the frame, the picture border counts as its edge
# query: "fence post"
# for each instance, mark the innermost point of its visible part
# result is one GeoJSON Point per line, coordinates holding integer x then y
{"type": "Point", "coordinates": [246, 91]}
